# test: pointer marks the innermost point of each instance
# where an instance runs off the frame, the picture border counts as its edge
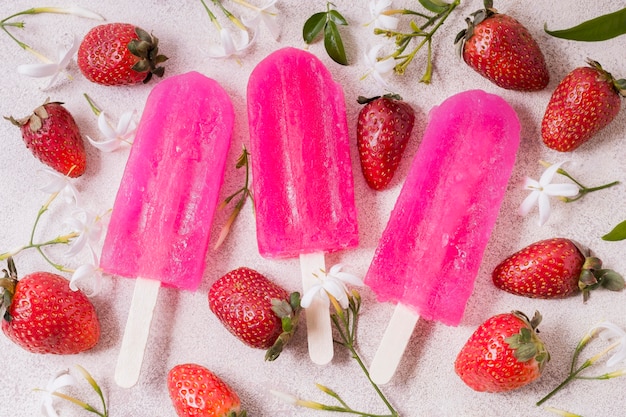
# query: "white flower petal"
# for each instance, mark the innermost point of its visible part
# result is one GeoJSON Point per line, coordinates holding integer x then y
{"type": "Point", "coordinates": [126, 124]}
{"type": "Point", "coordinates": [544, 208]}
{"type": "Point", "coordinates": [384, 66]}
{"type": "Point", "coordinates": [561, 190]}
{"type": "Point", "coordinates": [528, 203]}
{"type": "Point", "coordinates": [106, 145]}
{"type": "Point", "coordinates": [531, 184]}
{"type": "Point", "coordinates": [387, 22]}
{"type": "Point", "coordinates": [74, 10]}
{"type": "Point", "coordinates": [308, 296]}
{"type": "Point", "coordinates": [548, 174]}
{"type": "Point", "coordinates": [104, 127]}
{"type": "Point", "coordinates": [38, 70]}
{"type": "Point", "coordinates": [60, 380]}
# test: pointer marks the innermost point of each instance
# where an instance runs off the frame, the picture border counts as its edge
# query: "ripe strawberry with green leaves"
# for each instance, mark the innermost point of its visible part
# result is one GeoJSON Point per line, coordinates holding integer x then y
{"type": "Point", "coordinates": [503, 354]}
{"type": "Point", "coordinates": [554, 268]}
{"type": "Point", "coordinates": [583, 103]}
{"type": "Point", "coordinates": [259, 312]}
{"type": "Point", "coordinates": [52, 135]}
{"type": "Point", "coordinates": [502, 50]}
{"type": "Point", "coordinates": [196, 391]}
{"type": "Point", "coordinates": [384, 127]}
{"type": "Point", "coordinates": [43, 315]}
{"type": "Point", "coordinates": [119, 54]}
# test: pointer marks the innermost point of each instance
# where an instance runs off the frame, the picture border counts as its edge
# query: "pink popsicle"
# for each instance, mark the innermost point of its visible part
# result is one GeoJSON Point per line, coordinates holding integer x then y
{"type": "Point", "coordinates": [302, 172]}
{"type": "Point", "coordinates": [429, 254]}
{"type": "Point", "coordinates": [303, 185]}
{"type": "Point", "coordinates": [161, 220]}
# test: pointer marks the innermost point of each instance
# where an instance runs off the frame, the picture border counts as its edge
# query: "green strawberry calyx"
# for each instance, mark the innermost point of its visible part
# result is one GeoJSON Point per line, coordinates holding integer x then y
{"type": "Point", "coordinates": [289, 314]}
{"type": "Point", "coordinates": [36, 118]}
{"type": "Point", "coordinates": [476, 18]}
{"type": "Point", "coordinates": [593, 276]}
{"type": "Point", "coordinates": [390, 96]}
{"type": "Point", "coordinates": [526, 344]}
{"type": "Point", "coordinates": [8, 283]}
{"type": "Point", "coordinates": [146, 48]}
{"type": "Point", "coordinates": [618, 84]}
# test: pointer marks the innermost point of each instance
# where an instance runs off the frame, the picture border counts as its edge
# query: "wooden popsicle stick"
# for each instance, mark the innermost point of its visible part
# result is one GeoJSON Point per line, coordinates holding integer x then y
{"type": "Point", "coordinates": [136, 332]}
{"type": "Point", "coordinates": [393, 344]}
{"type": "Point", "coordinates": [318, 324]}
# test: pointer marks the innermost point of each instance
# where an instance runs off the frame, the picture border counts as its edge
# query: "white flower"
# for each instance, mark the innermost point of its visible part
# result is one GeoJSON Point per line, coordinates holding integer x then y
{"type": "Point", "coordinates": [115, 137]}
{"type": "Point", "coordinates": [267, 15]}
{"type": "Point", "coordinates": [333, 283]}
{"type": "Point", "coordinates": [88, 226]}
{"type": "Point", "coordinates": [542, 190]}
{"type": "Point", "coordinates": [379, 18]}
{"type": "Point", "coordinates": [61, 184]}
{"type": "Point", "coordinates": [60, 380]}
{"type": "Point", "coordinates": [378, 68]}
{"type": "Point", "coordinates": [49, 68]}
{"type": "Point", "coordinates": [229, 47]}
{"type": "Point", "coordinates": [617, 335]}
{"type": "Point", "coordinates": [74, 10]}
{"type": "Point", "coordinates": [89, 276]}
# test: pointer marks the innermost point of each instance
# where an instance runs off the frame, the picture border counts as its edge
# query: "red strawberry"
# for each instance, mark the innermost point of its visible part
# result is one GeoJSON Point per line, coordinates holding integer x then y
{"type": "Point", "coordinates": [383, 130]}
{"type": "Point", "coordinates": [503, 354]}
{"type": "Point", "coordinates": [260, 313]}
{"type": "Point", "coordinates": [554, 268]}
{"type": "Point", "coordinates": [54, 138]}
{"type": "Point", "coordinates": [119, 54]}
{"type": "Point", "coordinates": [196, 391]}
{"type": "Point", "coordinates": [583, 103]}
{"type": "Point", "coordinates": [43, 315]}
{"type": "Point", "coordinates": [502, 50]}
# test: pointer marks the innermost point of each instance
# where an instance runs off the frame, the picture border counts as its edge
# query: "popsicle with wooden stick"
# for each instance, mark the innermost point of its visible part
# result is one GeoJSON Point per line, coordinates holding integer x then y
{"type": "Point", "coordinates": [301, 172]}
{"type": "Point", "coordinates": [429, 254]}
{"type": "Point", "coordinates": [161, 220]}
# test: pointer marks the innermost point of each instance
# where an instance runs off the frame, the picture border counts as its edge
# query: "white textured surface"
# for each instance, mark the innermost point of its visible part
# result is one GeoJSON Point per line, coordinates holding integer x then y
{"type": "Point", "coordinates": [184, 330]}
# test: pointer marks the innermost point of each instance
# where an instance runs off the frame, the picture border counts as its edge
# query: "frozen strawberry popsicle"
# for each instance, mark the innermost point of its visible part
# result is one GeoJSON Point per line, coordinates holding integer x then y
{"type": "Point", "coordinates": [302, 172]}
{"type": "Point", "coordinates": [429, 254]}
{"type": "Point", "coordinates": [161, 220]}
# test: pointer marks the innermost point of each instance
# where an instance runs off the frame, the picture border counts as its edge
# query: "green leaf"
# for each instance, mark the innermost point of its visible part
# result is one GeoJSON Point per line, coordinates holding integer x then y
{"type": "Point", "coordinates": [618, 233]}
{"type": "Point", "coordinates": [601, 28]}
{"type": "Point", "coordinates": [336, 17]}
{"type": "Point", "coordinates": [435, 6]}
{"type": "Point", "coordinates": [334, 44]}
{"type": "Point", "coordinates": [313, 26]}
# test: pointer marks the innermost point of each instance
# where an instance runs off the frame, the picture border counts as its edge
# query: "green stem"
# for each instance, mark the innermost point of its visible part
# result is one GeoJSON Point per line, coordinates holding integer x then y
{"type": "Point", "coordinates": [401, 67]}
{"type": "Point", "coordinates": [348, 335]}
{"type": "Point", "coordinates": [585, 190]}
{"type": "Point", "coordinates": [572, 376]}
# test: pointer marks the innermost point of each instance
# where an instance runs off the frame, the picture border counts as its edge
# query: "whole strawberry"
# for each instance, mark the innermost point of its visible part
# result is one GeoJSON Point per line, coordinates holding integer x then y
{"type": "Point", "coordinates": [119, 54]}
{"type": "Point", "coordinates": [502, 50]}
{"type": "Point", "coordinates": [383, 130]}
{"type": "Point", "coordinates": [43, 315]}
{"type": "Point", "coordinates": [554, 268]}
{"type": "Point", "coordinates": [53, 136]}
{"type": "Point", "coordinates": [196, 391]}
{"type": "Point", "coordinates": [257, 311]}
{"type": "Point", "coordinates": [583, 103]}
{"type": "Point", "coordinates": [503, 354]}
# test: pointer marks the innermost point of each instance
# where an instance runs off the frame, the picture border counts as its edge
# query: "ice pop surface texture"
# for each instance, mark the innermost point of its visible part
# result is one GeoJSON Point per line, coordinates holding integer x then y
{"type": "Point", "coordinates": [429, 254]}
{"type": "Point", "coordinates": [301, 167]}
{"type": "Point", "coordinates": [161, 220]}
